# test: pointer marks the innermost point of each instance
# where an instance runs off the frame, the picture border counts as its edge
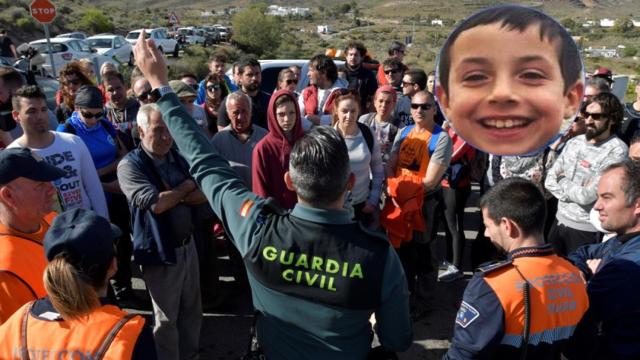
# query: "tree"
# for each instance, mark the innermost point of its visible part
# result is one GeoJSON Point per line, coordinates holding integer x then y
{"type": "Point", "coordinates": [94, 21]}
{"type": "Point", "coordinates": [256, 33]}
{"type": "Point", "coordinates": [622, 25]}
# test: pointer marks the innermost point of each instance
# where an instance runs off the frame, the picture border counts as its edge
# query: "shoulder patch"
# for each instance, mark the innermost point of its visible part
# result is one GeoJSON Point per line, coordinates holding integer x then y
{"type": "Point", "coordinates": [246, 207]}
{"type": "Point", "coordinates": [486, 269]}
{"type": "Point", "coordinates": [466, 315]}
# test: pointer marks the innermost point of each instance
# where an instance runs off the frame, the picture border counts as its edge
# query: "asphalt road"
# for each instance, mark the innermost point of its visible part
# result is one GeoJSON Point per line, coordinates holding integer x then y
{"type": "Point", "coordinates": [224, 333]}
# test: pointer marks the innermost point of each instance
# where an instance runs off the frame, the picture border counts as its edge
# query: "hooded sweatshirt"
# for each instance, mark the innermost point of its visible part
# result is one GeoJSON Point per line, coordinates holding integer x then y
{"type": "Point", "coordinates": [271, 156]}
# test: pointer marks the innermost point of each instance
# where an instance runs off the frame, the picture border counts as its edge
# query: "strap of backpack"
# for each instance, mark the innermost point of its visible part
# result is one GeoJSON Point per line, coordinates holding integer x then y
{"type": "Point", "coordinates": [102, 350]}
{"type": "Point", "coordinates": [368, 136]}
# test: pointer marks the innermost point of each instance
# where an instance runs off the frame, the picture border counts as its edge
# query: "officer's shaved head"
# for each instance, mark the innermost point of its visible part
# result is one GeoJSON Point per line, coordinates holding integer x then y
{"type": "Point", "coordinates": [319, 166]}
{"type": "Point", "coordinates": [519, 200]}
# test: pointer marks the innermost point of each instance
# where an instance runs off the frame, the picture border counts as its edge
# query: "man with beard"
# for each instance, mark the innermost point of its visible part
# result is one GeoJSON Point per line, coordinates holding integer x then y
{"type": "Point", "coordinates": [316, 100]}
{"type": "Point", "coordinates": [573, 179]}
{"type": "Point", "coordinates": [121, 109]}
{"type": "Point", "coordinates": [250, 77]}
{"type": "Point", "coordinates": [360, 79]}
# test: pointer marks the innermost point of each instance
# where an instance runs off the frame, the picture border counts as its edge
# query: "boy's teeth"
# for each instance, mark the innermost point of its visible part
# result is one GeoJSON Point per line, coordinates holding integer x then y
{"type": "Point", "coordinates": [509, 123]}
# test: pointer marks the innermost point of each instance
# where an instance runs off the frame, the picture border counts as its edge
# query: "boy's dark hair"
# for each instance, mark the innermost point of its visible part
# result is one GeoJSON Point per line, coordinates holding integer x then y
{"type": "Point", "coordinates": [418, 76]}
{"type": "Point", "coordinates": [516, 17]}
{"type": "Point", "coordinates": [27, 92]}
{"type": "Point", "coordinates": [247, 61]}
{"type": "Point", "coordinates": [11, 77]}
{"type": "Point", "coordinates": [352, 44]}
{"type": "Point", "coordinates": [635, 139]}
{"type": "Point", "coordinates": [393, 63]}
{"type": "Point", "coordinates": [188, 75]}
{"type": "Point", "coordinates": [518, 200]}
{"type": "Point", "coordinates": [611, 107]}
{"type": "Point", "coordinates": [325, 64]}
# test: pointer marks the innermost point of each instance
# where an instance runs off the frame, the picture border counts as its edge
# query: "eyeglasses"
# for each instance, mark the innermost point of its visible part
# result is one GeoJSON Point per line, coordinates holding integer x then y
{"type": "Point", "coordinates": [423, 107]}
{"type": "Point", "coordinates": [291, 81]}
{"type": "Point", "coordinates": [213, 87]}
{"type": "Point", "coordinates": [594, 116]}
{"type": "Point", "coordinates": [392, 71]}
{"type": "Point", "coordinates": [144, 96]}
{"type": "Point", "coordinates": [75, 82]}
{"type": "Point", "coordinates": [90, 115]}
{"type": "Point", "coordinates": [406, 83]}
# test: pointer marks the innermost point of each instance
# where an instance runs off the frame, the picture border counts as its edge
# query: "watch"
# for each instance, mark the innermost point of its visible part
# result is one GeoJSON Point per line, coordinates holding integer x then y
{"type": "Point", "coordinates": [157, 93]}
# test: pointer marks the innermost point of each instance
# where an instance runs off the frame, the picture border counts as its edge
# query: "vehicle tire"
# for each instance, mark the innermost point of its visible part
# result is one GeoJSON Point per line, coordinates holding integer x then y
{"type": "Point", "coordinates": [176, 51]}
{"type": "Point", "coordinates": [132, 61]}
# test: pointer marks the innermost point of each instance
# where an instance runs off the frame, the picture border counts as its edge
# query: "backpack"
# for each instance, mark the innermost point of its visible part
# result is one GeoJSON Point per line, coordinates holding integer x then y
{"type": "Point", "coordinates": [367, 135]}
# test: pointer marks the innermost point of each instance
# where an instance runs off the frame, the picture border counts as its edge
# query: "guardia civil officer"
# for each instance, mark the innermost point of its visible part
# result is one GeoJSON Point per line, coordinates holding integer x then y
{"type": "Point", "coordinates": [527, 306]}
{"type": "Point", "coordinates": [316, 276]}
{"type": "Point", "coordinates": [75, 321]}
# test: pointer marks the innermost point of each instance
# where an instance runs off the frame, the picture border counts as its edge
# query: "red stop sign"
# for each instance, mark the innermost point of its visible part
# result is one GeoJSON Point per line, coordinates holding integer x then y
{"type": "Point", "coordinates": [43, 11]}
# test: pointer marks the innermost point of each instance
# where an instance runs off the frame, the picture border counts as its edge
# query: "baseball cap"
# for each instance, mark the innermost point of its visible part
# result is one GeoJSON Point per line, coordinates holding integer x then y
{"type": "Point", "coordinates": [86, 237]}
{"type": "Point", "coordinates": [89, 96]}
{"type": "Point", "coordinates": [603, 72]}
{"type": "Point", "coordinates": [21, 162]}
{"type": "Point", "coordinates": [181, 89]}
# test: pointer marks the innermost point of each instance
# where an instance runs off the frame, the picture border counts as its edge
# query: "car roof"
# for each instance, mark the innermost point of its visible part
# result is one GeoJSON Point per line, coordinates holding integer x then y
{"type": "Point", "coordinates": [103, 36]}
{"type": "Point", "coordinates": [55, 40]}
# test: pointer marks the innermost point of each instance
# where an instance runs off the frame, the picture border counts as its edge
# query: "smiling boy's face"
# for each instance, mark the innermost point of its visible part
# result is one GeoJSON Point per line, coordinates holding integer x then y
{"type": "Point", "coordinates": [506, 90]}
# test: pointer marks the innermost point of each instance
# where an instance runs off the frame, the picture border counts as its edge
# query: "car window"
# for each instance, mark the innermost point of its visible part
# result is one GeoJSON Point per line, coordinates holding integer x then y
{"type": "Point", "coordinates": [74, 45]}
{"type": "Point", "coordinates": [44, 49]}
{"type": "Point", "coordinates": [116, 43]}
{"type": "Point", "coordinates": [84, 46]}
{"type": "Point", "coordinates": [99, 43]}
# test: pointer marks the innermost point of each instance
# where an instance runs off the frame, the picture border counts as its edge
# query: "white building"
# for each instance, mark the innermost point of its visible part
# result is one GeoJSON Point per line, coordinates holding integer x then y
{"type": "Point", "coordinates": [607, 23]}
{"type": "Point", "coordinates": [436, 22]}
{"type": "Point", "coordinates": [276, 10]}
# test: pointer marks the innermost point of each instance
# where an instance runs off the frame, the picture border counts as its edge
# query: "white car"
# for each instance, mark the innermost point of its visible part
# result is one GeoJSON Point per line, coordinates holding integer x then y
{"type": "Point", "coordinates": [161, 38]}
{"type": "Point", "coordinates": [76, 35]}
{"type": "Point", "coordinates": [65, 50]}
{"type": "Point", "coordinates": [192, 36]}
{"type": "Point", "coordinates": [112, 46]}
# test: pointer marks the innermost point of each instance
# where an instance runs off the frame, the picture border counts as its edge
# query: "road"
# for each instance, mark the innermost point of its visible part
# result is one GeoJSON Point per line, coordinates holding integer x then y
{"type": "Point", "coordinates": [224, 334]}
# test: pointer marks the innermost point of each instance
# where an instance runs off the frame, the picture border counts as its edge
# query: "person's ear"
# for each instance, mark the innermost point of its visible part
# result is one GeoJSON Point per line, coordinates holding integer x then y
{"type": "Point", "coordinates": [512, 229]}
{"type": "Point", "coordinates": [351, 181]}
{"type": "Point", "coordinates": [7, 197]}
{"type": "Point", "coordinates": [443, 99]}
{"type": "Point", "coordinates": [288, 182]}
{"type": "Point", "coordinates": [573, 98]}
{"type": "Point", "coordinates": [16, 115]}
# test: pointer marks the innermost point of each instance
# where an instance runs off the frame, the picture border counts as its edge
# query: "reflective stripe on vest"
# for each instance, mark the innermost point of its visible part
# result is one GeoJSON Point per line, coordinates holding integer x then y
{"type": "Point", "coordinates": [558, 298]}
{"type": "Point", "coordinates": [107, 333]}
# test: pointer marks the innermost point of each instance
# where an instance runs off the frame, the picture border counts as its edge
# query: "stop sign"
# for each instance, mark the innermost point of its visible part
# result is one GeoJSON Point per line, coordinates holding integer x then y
{"type": "Point", "coordinates": [43, 11]}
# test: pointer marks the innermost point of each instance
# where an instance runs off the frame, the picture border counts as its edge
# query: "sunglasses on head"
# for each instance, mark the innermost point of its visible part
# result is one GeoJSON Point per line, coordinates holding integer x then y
{"type": "Point", "coordinates": [594, 116]}
{"type": "Point", "coordinates": [424, 107]}
{"type": "Point", "coordinates": [144, 96]}
{"type": "Point", "coordinates": [392, 71]}
{"type": "Point", "coordinates": [291, 81]}
{"type": "Point", "coordinates": [90, 115]}
{"type": "Point", "coordinates": [213, 87]}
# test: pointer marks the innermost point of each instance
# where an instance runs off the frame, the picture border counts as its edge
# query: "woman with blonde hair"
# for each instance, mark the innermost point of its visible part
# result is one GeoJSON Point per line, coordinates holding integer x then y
{"type": "Point", "coordinates": [75, 318]}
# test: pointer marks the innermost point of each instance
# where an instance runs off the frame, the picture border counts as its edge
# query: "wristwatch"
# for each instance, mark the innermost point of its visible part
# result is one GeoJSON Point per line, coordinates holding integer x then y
{"type": "Point", "coordinates": [157, 93]}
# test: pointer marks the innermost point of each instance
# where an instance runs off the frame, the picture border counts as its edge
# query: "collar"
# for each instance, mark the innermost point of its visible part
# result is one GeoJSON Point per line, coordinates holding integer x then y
{"type": "Point", "coordinates": [626, 237]}
{"type": "Point", "coordinates": [157, 162]}
{"type": "Point", "coordinates": [330, 216]}
{"type": "Point", "coordinates": [531, 251]}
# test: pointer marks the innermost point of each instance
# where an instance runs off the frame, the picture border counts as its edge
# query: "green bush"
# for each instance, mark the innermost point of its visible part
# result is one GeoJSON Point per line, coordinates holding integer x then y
{"type": "Point", "coordinates": [26, 24]}
{"type": "Point", "coordinates": [94, 21]}
{"type": "Point", "coordinates": [256, 33]}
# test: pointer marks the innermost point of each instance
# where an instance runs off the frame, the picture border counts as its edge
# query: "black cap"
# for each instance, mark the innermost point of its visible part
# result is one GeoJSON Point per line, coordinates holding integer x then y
{"type": "Point", "coordinates": [86, 237]}
{"type": "Point", "coordinates": [21, 162]}
{"type": "Point", "coordinates": [89, 96]}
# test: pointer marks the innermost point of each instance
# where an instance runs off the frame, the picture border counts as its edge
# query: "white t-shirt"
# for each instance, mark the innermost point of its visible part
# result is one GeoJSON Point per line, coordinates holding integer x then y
{"type": "Point", "coordinates": [81, 187]}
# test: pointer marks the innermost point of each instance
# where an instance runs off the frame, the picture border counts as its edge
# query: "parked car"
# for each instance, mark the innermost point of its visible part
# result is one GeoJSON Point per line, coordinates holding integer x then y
{"type": "Point", "coordinates": [192, 35]}
{"type": "Point", "coordinates": [271, 69]}
{"type": "Point", "coordinates": [65, 50]}
{"type": "Point", "coordinates": [164, 43]}
{"type": "Point", "coordinates": [74, 35]}
{"type": "Point", "coordinates": [212, 35]}
{"type": "Point", "coordinates": [112, 46]}
{"type": "Point", "coordinates": [224, 32]}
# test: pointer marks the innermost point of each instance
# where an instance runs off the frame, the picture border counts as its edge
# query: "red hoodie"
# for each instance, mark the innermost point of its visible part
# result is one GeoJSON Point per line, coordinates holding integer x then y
{"type": "Point", "coordinates": [271, 156]}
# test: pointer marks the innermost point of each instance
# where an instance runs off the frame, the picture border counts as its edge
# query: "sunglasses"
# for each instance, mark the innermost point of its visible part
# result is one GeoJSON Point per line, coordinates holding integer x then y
{"type": "Point", "coordinates": [392, 71]}
{"type": "Point", "coordinates": [213, 87]}
{"type": "Point", "coordinates": [594, 116]}
{"type": "Point", "coordinates": [90, 115]}
{"type": "Point", "coordinates": [144, 96]}
{"type": "Point", "coordinates": [424, 107]}
{"type": "Point", "coordinates": [72, 82]}
{"type": "Point", "coordinates": [291, 81]}
{"type": "Point", "coordinates": [406, 83]}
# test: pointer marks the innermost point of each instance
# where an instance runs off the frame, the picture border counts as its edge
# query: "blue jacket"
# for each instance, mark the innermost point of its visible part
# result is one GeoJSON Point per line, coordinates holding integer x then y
{"type": "Point", "coordinates": [153, 235]}
{"type": "Point", "coordinates": [202, 92]}
{"type": "Point", "coordinates": [614, 297]}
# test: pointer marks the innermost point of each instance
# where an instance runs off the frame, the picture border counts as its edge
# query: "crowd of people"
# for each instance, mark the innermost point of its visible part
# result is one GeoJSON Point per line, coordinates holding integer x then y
{"type": "Point", "coordinates": [330, 199]}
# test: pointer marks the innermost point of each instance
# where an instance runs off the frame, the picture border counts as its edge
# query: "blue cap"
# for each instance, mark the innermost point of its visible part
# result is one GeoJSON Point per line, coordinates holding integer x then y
{"type": "Point", "coordinates": [21, 162]}
{"type": "Point", "coordinates": [86, 237]}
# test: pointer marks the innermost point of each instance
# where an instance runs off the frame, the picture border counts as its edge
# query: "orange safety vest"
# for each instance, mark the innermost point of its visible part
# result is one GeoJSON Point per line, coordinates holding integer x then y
{"type": "Point", "coordinates": [107, 333]}
{"type": "Point", "coordinates": [558, 297]}
{"type": "Point", "coordinates": [23, 256]}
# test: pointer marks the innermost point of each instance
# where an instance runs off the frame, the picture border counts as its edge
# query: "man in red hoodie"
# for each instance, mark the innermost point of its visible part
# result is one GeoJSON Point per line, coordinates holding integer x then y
{"type": "Point", "coordinates": [271, 155]}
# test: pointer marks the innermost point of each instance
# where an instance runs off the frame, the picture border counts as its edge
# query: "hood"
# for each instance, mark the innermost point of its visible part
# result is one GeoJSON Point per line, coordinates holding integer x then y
{"type": "Point", "coordinates": [274, 129]}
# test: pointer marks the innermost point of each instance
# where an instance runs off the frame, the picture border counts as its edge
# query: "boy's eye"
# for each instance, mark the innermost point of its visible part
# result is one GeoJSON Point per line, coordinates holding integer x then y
{"type": "Point", "coordinates": [533, 75]}
{"type": "Point", "coordinates": [474, 77]}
